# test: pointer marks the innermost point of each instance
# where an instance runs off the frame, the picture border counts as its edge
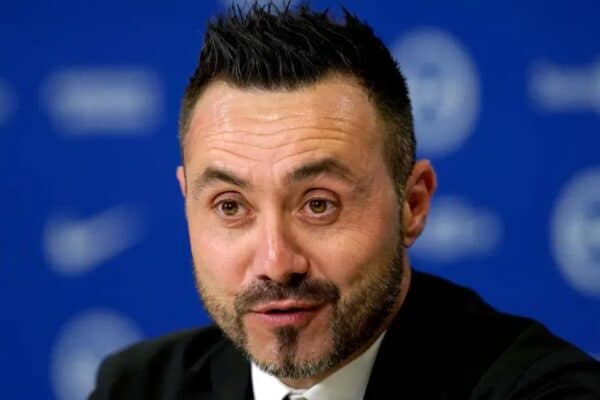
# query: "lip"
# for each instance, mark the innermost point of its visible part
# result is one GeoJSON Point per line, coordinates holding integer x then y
{"type": "Point", "coordinates": [284, 305]}
{"type": "Point", "coordinates": [284, 313]}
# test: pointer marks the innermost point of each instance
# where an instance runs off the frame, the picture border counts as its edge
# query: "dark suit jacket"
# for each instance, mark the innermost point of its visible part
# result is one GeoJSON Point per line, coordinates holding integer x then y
{"type": "Point", "coordinates": [445, 343]}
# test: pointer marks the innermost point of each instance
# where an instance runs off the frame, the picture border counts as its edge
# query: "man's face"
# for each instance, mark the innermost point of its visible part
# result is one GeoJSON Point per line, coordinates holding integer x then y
{"type": "Point", "coordinates": [293, 220]}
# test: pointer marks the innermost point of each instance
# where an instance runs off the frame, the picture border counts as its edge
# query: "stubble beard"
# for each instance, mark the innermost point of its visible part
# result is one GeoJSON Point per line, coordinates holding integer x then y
{"type": "Point", "coordinates": [355, 320]}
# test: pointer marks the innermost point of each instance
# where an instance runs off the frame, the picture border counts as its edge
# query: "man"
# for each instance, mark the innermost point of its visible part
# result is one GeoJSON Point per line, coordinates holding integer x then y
{"type": "Point", "coordinates": [302, 194]}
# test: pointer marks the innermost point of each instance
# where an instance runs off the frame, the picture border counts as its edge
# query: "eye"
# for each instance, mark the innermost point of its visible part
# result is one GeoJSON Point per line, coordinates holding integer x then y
{"type": "Point", "coordinates": [320, 209]}
{"type": "Point", "coordinates": [318, 206]}
{"type": "Point", "coordinates": [229, 207]}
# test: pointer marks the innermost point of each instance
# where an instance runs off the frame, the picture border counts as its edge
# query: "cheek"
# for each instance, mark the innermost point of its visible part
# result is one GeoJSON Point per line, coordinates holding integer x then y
{"type": "Point", "coordinates": [356, 248]}
{"type": "Point", "coordinates": [220, 258]}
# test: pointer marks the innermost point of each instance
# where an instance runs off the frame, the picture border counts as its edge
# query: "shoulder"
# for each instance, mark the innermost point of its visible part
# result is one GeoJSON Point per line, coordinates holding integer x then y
{"type": "Point", "coordinates": [504, 356]}
{"type": "Point", "coordinates": [540, 365]}
{"type": "Point", "coordinates": [446, 333]}
{"type": "Point", "coordinates": [156, 368]}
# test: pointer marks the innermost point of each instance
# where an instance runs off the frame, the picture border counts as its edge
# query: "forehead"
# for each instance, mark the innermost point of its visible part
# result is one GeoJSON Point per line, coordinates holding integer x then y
{"type": "Point", "coordinates": [333, 114]}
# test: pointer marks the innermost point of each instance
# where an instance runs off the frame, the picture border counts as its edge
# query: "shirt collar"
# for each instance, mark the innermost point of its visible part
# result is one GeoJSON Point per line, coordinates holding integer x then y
{"type": "Point", "coordinates": [348, 383]}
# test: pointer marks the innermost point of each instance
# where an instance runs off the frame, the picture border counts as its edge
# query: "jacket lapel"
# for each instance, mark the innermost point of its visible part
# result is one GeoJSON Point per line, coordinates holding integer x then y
{"type": "Point", "coordinates": [406, 366]}
{"type": "Point", "coordinates": [224, 374]}
{"type": "Point", "coordinates": [231, 375]}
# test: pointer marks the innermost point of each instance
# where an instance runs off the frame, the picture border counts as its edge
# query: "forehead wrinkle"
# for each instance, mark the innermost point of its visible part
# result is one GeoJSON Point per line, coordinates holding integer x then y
{"type": "Point", "coordinates": [223, 106]}
{"type": "Point", "coordinates": [224, 121]}
{"type": "Point", "coordinates": [220, 142]}
{"type": "Point", "coordinates": [249, 132]}
{"type": "Point", "coordinates": [270, 128]}
{"type": "Point", "coordinates": [217, 149]}
{"type": "Point", "coordinates": [280, 115]}
{"type": "Point", "coordinates": [279, 109]}
{"type": "Point", "coordinates": [225, 114]}
{"type": "Point", "coordinates": [324, 166]}
{"type": "Point", "coordinates": [286, 157]}
{"type": "Point", "coordinates": [341, 119]}
{"type": "Point", "coordinates": [361, 184]}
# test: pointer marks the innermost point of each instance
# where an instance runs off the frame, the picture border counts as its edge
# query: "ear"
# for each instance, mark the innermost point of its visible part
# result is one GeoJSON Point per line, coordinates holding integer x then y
{"type": "Point", "coordinates": [181, 179]}
{"type": "Point", "coordinates": [420, 187]}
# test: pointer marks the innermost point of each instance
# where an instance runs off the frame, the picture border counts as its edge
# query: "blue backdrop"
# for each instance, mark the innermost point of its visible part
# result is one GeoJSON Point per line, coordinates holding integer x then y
{"type": "Point", "coordinates": [93, 242]}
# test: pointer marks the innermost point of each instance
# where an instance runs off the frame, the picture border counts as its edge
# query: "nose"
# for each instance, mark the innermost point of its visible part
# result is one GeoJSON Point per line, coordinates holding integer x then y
{"type": "Point", "coordinates": [278, 256]}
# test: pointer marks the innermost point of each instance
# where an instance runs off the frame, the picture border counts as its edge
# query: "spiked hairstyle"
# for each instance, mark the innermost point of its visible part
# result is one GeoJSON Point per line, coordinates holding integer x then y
{"type": "Point", "coordinates": [283, 48]}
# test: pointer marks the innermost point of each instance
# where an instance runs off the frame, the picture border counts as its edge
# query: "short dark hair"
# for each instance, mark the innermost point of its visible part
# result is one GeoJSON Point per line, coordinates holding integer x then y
{"type": "Point", "coordinates": [271, 47]}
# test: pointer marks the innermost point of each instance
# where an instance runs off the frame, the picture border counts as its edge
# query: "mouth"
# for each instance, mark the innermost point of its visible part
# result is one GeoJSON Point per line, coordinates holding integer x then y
{"type": "Point", "coordinates": [285, 313]}
{"type": "Point", "coordinates": [284, 306]}
{"type": "Point", "coordinates": [287, 310]}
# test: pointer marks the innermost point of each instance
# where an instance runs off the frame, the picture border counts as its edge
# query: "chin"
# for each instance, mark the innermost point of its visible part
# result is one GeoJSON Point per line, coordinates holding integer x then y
{"type": "Point", "coordinates": [291, 353]}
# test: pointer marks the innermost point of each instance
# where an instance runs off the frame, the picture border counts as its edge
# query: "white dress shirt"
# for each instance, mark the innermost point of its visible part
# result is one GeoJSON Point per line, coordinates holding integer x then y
{"type": "Point", "coordinates": [348, 383]}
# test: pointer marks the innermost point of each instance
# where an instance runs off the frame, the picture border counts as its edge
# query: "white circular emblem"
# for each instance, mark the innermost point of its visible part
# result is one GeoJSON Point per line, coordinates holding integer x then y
{"type": "Point", "coordinates": [83, 343]}
{"type": "Point", "coordinates": [444, 89]}
{"type": "Point", "coordinates": [575, 231]}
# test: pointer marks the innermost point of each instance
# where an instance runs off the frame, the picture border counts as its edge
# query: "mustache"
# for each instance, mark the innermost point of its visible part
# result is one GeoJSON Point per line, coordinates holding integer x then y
{"type": "Point", "coordinates": [312, 290]}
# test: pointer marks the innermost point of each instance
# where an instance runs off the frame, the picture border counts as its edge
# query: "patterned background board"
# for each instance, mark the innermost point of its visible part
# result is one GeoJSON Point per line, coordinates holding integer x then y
{"type": "Point", "coordinates": [93, 243]}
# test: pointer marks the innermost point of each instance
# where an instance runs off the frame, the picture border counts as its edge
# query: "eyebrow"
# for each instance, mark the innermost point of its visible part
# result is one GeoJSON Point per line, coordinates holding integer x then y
{"type": "Point", "coordinates": [212, 175]}
{"type": "Point", "coordinates": [327, 166]}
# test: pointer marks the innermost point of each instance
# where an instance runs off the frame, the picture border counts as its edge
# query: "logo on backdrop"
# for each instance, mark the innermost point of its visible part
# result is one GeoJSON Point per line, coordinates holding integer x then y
{"type": "Point", "coordinates": [76, 245]}
{"type": "Point", "coordinates": [110, 100]}
{"type": "Point", "coordinates": [575, 231]}
{"type": "Point", "coordinates": [444, 89]}
{"type": "Point", "coordinates": [455, 231]}
{"type": "Point", "coordinates": [82, 344]}
{"type": "Point", "coordinates": [8, 102]}
{"type": "Point", "coordinates": [556, 88]}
